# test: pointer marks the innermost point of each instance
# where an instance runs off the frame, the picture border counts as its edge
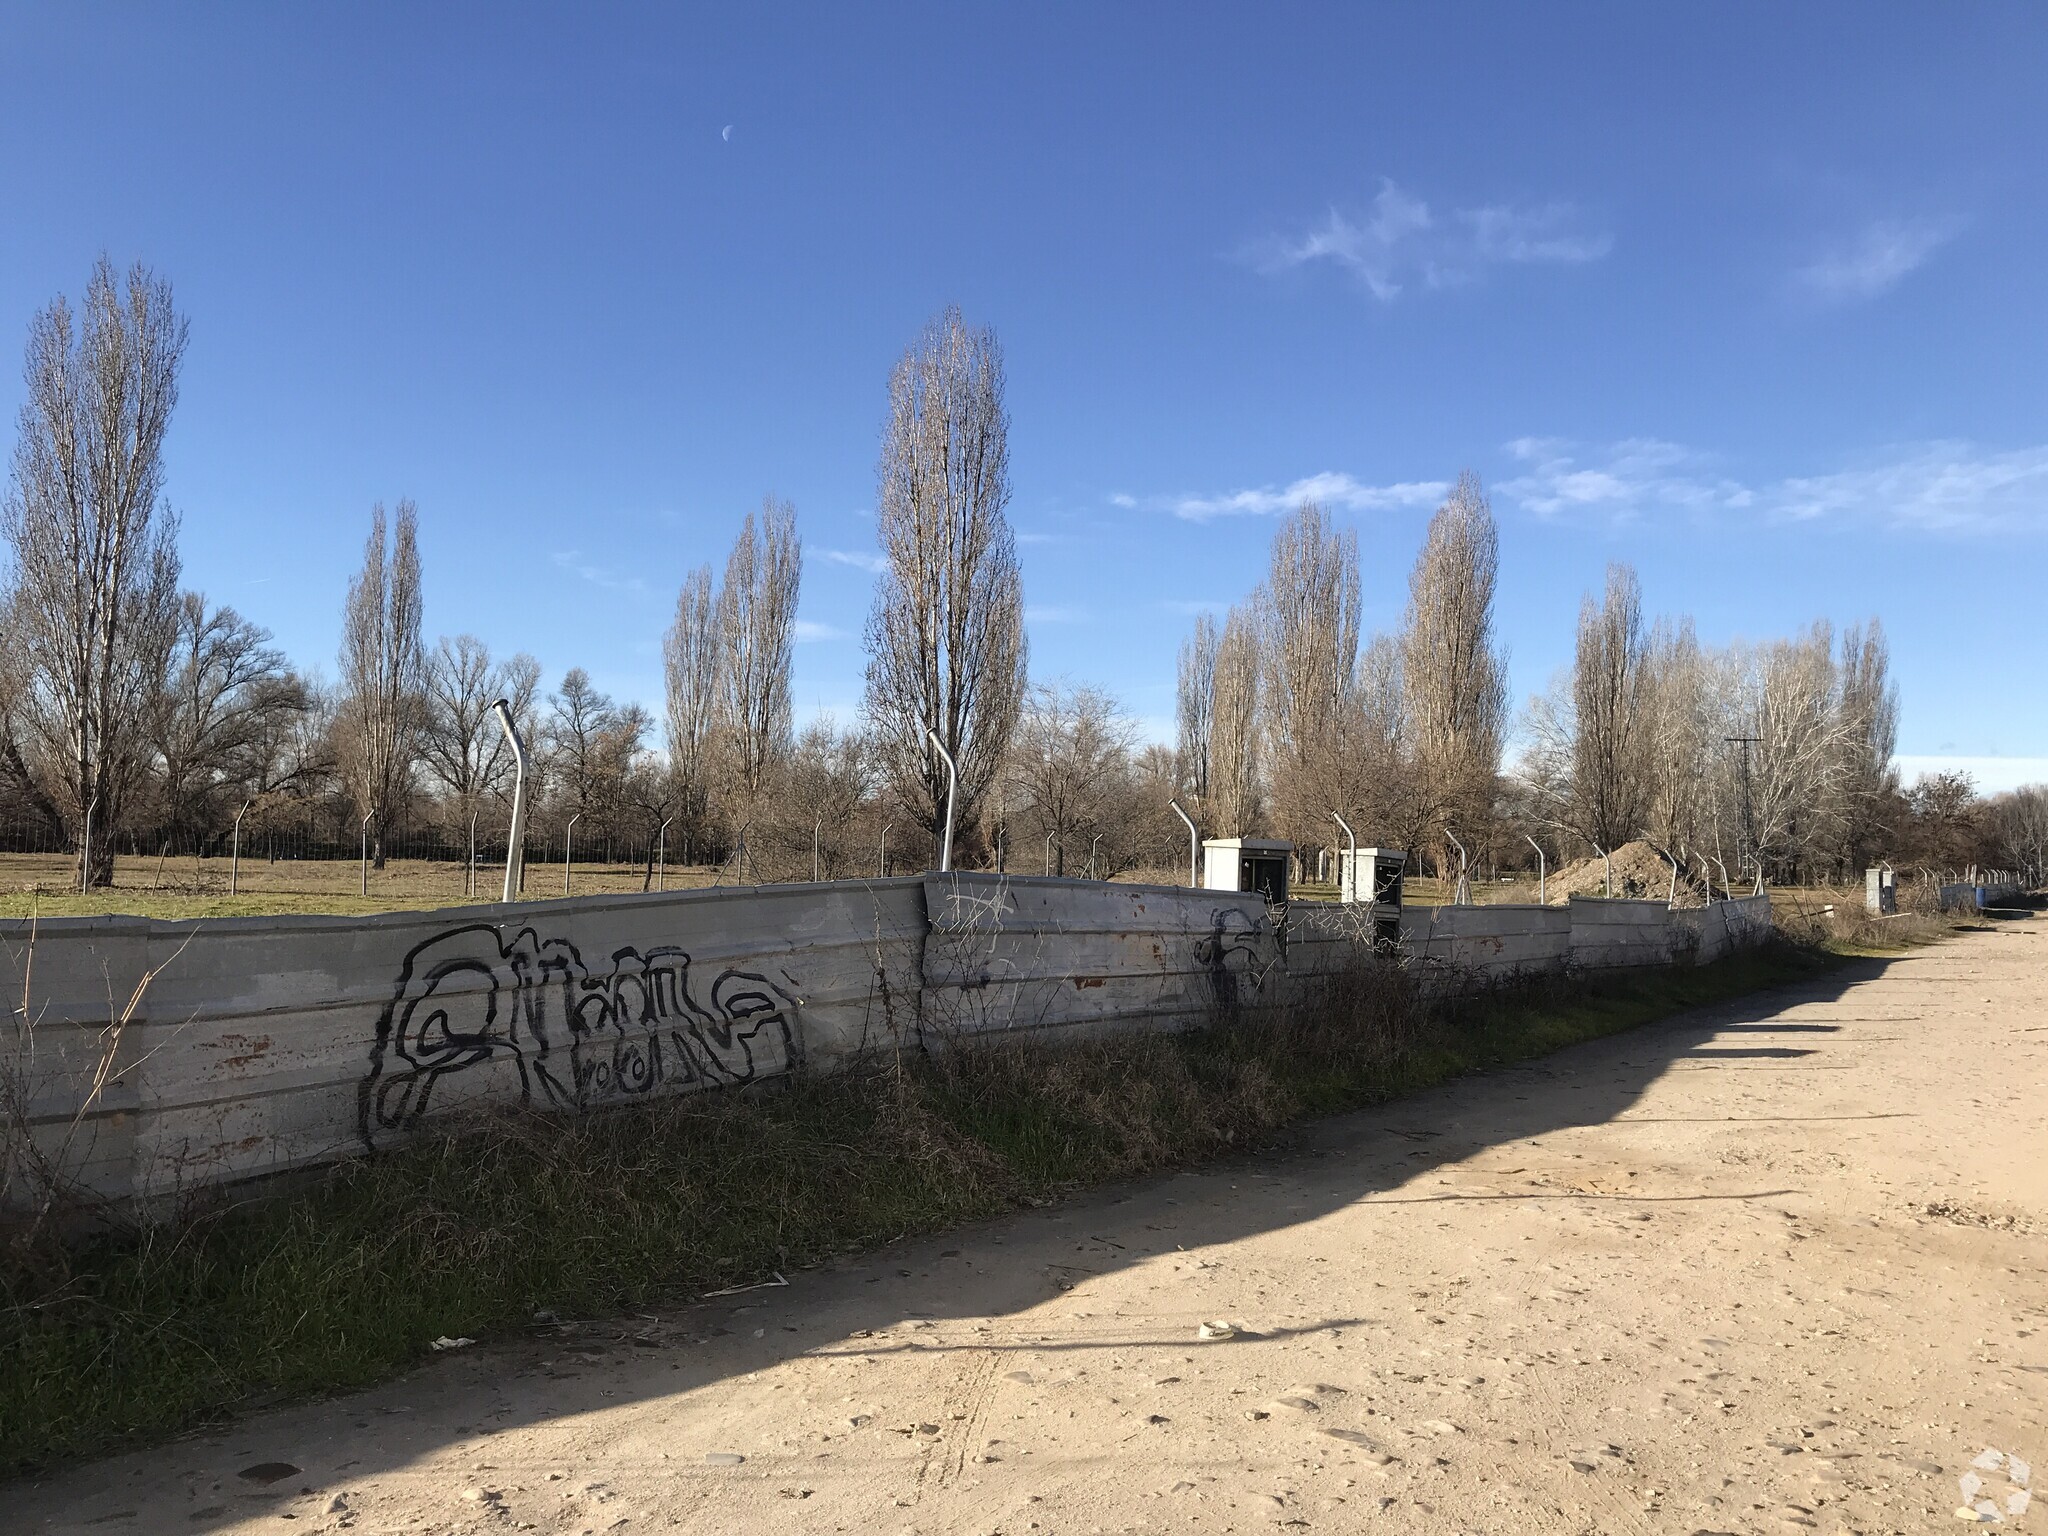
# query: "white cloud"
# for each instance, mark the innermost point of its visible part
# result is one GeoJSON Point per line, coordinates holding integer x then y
{"type": "Point", "coordinates": [1946, 487]}
{"type": "Point", "coordinates": [860, 560]}
{"type": "Point", "coordinates": [1625, 480]}
{"type": "Point", "coordinates": [1399, 241]}
{"type": "Point", "coordinates": [806, 630]}
{"type": "Point", "coordinates": [1054, 616]}
{"type": "Point", "coordinates": [1940, 487]}
{"type": "Point", "coordinates": [1193, 606]}
{"type": "Point", "coordinates": [1881, 254]}
{"type": "Point", "coordinates": [1340, 492]}
{"type": "Point", "coordinates": [572, 561]}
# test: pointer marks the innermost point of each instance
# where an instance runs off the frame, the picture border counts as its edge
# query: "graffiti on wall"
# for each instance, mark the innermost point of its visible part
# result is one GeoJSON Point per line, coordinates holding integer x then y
{"type": "Point", "coordinates": [1233, 955]}
{"type": "Point", "coordinates": [577, 1035]}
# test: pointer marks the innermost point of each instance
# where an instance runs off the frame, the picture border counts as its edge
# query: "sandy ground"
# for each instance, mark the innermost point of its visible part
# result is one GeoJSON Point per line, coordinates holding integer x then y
{"type": "Point", "coordinates": [1773, 1266]}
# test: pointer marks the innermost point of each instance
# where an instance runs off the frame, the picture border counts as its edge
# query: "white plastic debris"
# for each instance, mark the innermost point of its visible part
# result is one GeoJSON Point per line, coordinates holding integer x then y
{"type": "Point", "coordinates": [1217, 1329]}
{"type": "Point", "coordinates": [444, 1342]}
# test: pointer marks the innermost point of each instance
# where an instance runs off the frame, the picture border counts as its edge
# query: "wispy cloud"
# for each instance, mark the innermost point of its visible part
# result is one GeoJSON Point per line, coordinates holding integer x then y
{"type": "Point", "coordinates": [860, 560]}
{"type": "Point", "coordinates": [1880, 255]}
{"type": "Point", "coordinates": [572, 561]}
{"type": "Point", "coordinates": [1330, 489]}
{"type": "Point", "coordinates": [1399, 240]}
{"type": "Point", "coordinates": [1054, 616]}
{"type": "Point", "coordinates": [1943, 487]}
{"type": "Point", "coordinates": [1617, 483]}
{"type": "Point", "coordinates": [1937, 487]}
{"type": "Point", "coordinates": [807, 630]}
{"type": "Point", "coordinates": [1193, 606]}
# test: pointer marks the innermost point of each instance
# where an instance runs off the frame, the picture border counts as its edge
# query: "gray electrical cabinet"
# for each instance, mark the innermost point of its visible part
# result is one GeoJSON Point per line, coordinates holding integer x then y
{"type": "Point", "coordinates": [1880, 892]}
{"type": "Point", "coordinates": [1247, 864]}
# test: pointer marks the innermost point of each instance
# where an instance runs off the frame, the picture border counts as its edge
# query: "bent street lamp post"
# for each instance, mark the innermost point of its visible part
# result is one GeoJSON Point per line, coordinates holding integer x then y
{"type": "Point", "coordinates": [1350, 871]}
{"type": "Point", "coordinates": [1048, 854]}
{"type": "Point", "coordinates": [883, 872]}
{"type": "Point", "coordinates": [569, 850]}
{"type": "Point", "coordinates": [1460, 893]}
{"type": "Point", "coordinates": [1194, 843]}
{"type": "Point", "coordinates": [85, 847]}
{"type": "Point", "coordinates": [235, 859]}
{"type": "Point", "coordinates": [1091, 854]}
{"type": "Point", "coordinates": [1610, 867]}
{"type": "Point", "coordinates": [661, 856]}
{"type": "Point", "coordinates": [815, 828]}
{"type": "Point", "coordinates": [365, 829]}
{"type": "Point", "coordinates": [515, 841]}
{"type": "Point", "coordinates": [1542, 871]}
{"type": "Point", "coordinates": [469, 880]}
{"type": "Point", "coordinates": [952, 787]}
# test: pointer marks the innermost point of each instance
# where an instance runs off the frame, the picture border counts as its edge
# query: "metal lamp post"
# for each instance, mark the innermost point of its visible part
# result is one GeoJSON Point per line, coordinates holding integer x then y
{"type": "Point", "coordinates": [1194, 843]}
{"type": "Point", "coordinates": [952, 788]}
{"type": "Point", "coordinates": [515, 839]}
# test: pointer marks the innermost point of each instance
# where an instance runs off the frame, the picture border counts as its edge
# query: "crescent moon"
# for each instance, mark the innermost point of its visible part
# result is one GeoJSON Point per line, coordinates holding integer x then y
{"type": "Point", "coordinates": [726, 133]}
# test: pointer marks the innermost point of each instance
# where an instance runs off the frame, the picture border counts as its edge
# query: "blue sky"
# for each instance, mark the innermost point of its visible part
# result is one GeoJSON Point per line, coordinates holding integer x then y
{"type": "Point", "coordinates": [1752, 299]}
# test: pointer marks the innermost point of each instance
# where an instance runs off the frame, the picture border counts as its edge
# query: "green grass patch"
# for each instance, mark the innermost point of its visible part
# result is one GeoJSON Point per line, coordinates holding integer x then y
{"type": "Point", "coordinates": [340, 1282]}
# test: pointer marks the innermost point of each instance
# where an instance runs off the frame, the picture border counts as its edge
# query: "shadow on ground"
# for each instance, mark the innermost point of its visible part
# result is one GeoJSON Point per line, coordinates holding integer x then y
{"type": "Point", "coordinates": [994, 1274]}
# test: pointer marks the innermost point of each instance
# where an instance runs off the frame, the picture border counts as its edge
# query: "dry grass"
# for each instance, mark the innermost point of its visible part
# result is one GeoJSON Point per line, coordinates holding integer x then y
{"type": "Point", "coordinates": [44, 885]}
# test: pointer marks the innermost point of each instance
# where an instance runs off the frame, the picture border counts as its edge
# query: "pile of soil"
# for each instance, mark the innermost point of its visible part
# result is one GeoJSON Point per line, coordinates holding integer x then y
{"type": "Point", "coordinates": [1639, 871]}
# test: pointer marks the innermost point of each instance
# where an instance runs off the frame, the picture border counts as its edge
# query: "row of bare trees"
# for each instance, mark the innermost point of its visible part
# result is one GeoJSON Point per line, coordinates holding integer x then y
{"type": "Point", "coordinates": [1287, 714]}
{"type": "Point", "coordinates": [135, 704]}
{"type": "Point", "coordinates": [132, 706]}
{"type": "Point", "coordinates": [1772, 758]}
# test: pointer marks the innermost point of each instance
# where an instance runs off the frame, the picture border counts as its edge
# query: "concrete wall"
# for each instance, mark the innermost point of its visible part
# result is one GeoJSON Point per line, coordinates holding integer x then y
{"type": "Point", "coordinates": [248, 1046]}
{"type": "Point", "coordinates": [263, 1044]}
{"type": "Point", "coordinates": [1026, 953]}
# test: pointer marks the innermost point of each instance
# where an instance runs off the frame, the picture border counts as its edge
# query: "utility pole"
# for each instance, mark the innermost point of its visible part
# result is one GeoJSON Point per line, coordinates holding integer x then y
{"type": "Point", "coordinates": [1748, 807]}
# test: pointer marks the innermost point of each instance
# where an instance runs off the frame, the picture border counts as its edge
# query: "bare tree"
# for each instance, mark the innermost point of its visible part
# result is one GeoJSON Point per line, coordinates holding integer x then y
{"type": "Point", "coordinates": [2017, 822]}
{"type": "Point", "coordinates": [1869, 704]}
{"type": "Point", "coordinates": [1235, 801]}
{"type": "Point", "coordinates": [95, 548]}
{"type": "Point", "coordinates": [756, 630]}
{"type": "Point", "coordinates": [1454, 675]}
{"type": "Point", "coordinates": [1309, 612]}
{"type": "Point", "coordinates": [1195, 701]}
{"type": "Point", "coordinates": [1683, 735]}
{"type": "Point", "coordinates": [1611, 755]}
{"type": "Point", "coordinates": [824, 788]}
{"type": "Point", "coordinates": [946, 635]}
{"type": "Point", "coordinates": [690, 662]}
{"type": "Point", "coordinates": [212, 723]}
{"type": "Point", "coordinates": [462, 745]}
{"type": "Point", "coordinates": [1069, 761]}
{"type": "Point", "coordinates": [383, 671]}
{"type": "Point", "coordinates": [1790, 770]}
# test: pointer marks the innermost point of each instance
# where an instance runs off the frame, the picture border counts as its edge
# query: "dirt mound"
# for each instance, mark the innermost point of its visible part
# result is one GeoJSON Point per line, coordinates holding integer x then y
{"type": "Point", "coordinates": [1639, 871]}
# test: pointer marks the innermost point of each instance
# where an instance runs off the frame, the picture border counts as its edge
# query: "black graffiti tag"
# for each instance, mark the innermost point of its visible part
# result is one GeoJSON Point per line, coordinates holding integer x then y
{"type": "Point", "coordinates": [471, 997]}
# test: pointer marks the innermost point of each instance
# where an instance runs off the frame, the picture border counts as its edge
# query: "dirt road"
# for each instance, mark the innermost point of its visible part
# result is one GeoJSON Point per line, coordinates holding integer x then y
{"type": "Point", "coordinates": [1774, 1266]}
